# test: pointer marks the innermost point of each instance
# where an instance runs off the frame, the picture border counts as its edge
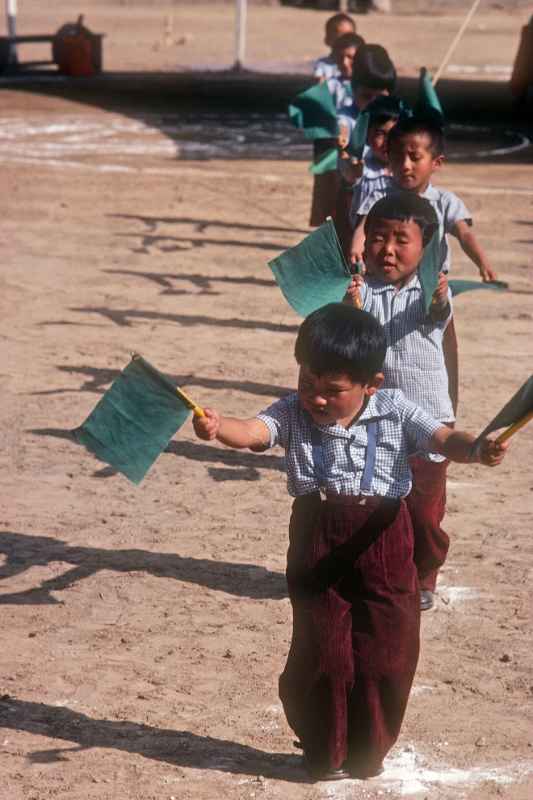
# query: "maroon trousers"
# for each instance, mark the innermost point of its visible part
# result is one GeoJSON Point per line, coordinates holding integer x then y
{"type": "Point", "coordinates": [427, 503]}
{"type": "Point", "coordinates": [355, 638]}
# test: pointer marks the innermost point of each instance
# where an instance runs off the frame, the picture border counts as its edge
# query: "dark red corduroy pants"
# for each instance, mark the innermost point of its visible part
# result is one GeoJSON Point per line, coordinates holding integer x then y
{"type": "Point", "coordinates": [355, 645]}
{"type": "Point", "coordinates": [427, 504]}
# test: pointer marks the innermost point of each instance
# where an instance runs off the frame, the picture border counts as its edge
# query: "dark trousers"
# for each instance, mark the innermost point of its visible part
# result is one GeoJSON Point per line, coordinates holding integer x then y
{"type": "Point", "coordinates": [355, 642]}
{"type": "Point", "coordinates": [427, 504]}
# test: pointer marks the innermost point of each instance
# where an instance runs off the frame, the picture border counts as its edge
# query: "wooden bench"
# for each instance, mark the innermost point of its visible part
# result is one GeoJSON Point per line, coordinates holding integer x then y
{"type": "Point", "coordinates": [7, 42]}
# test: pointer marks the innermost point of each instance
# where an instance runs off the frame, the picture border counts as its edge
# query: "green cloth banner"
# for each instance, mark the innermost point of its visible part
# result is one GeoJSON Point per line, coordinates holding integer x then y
{"type": "Point", "coordinates": [313, 111]}
{"type": "Point", "coordinates": [314, 272]}
{"type": "Point", "coordinates": [327, 163]}
{"type": "Point", "coordinates": [134, 420]}
{"type": "Point", "coordinates": [428, 100]}
{"type": "Point", "coordinates": [518, 407]}
{"type": "Point", "coordinates": [357, 142]}
{"type": "Point", "coordinates": [458, 286]}
{"type": "Point", "coordinates": [429, 268]}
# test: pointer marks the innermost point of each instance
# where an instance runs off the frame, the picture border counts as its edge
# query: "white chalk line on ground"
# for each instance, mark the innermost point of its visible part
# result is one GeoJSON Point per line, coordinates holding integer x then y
{"type": "Point", "coordinates": [408, 773]}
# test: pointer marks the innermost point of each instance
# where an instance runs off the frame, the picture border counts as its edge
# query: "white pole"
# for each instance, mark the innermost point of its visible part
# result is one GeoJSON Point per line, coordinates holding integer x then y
{"type": "Point", "coordinates": [455, 42]}
{"type": "Point", "coordinates": [240, 34]}
{"type": "Point", "coordinates": [11, 22]}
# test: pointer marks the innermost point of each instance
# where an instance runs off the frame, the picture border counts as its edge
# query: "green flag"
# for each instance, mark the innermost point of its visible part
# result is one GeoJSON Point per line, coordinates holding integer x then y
{"type": "Point", "coordinates": [314, 272]}
{"type": "Point", "coordinates": [134, 420]}
{"type": "Point", "coordinates": [428, 100]}
{"type": "Point", "coordinates": [357, 142]}
{"type": "Point", "coordinates": [519, 407]}
{"type": "Point", "coordinates": [429, 268]}
{"type": "Point", "coordinates": [327, 162]}
{"type": "Point", "coordinates": [458, 286]}
{"type": "Point", "coordinates": [313, 111]}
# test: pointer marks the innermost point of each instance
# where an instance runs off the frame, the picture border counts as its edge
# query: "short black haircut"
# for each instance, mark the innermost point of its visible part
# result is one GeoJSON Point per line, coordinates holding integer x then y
{"type": "Point", "coordinates": [373, 68]}
{"type": "Point", "coordinates": [338, 19]}
{"type": "Point", "coordinates": [405, 206]}
{"type": "Point", "coordinates": [348, 40]}
{"type": "Point", "coordinates": [419, 124]}
{"type": "Point", "coordinates": [339, 338]}
{"type": "Point", "coordinates": [385, 108]}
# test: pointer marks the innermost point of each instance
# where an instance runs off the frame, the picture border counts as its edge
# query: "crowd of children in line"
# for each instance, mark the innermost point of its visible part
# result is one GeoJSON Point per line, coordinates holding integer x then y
{"type": "Point", "coordinates": [371, 429]}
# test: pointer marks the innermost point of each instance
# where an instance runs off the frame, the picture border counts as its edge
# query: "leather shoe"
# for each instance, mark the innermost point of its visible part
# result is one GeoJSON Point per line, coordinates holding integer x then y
{"type": "Point", "coordinates": [427, 600]}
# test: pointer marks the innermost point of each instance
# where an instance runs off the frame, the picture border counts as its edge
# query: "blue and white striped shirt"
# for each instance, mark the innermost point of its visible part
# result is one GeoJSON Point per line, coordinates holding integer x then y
{"type": "Point", "coordinates": [403, 429]}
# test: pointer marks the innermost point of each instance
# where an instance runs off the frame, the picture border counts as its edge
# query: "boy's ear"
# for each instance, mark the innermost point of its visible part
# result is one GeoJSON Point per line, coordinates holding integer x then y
{"type": "Point", "coordinates": [438, 161]}
{"type": "Point", "coordinates": [374, 384]}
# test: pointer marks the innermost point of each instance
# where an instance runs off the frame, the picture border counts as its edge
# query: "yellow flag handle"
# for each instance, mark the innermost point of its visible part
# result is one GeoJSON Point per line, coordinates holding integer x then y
{"type": "Point", "coordinates": [197, 410]}
{"type": "Point", "coordinates": [514, 428]}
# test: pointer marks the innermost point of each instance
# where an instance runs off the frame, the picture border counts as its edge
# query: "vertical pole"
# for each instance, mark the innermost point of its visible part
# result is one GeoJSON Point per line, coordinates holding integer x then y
{"type": "Point", "coordinates": [240, 34]}
{"type": "Point", "coordinates": [11, 22]}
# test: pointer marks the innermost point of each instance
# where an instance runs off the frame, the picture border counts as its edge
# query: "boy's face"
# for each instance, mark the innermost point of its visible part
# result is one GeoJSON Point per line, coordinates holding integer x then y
{"type": "Point", "coordinates": [344, 59]}
{"type": "Point", "coordinates": [412, 161]}
{"type": "Point", "coordinates": [377, 139]}
{"type": "Point", "coordinates": [364, 95]}
{"type": "Point", "coordinates": [339, 30]}
{"type": "Point", "coordinates": [393, 250]}
{"type": "Point", "coordinates": [334, 397]}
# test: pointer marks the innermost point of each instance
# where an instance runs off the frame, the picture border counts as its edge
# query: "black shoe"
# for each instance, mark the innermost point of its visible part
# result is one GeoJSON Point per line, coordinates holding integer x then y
{"type": "Point", "coordinates": [320, 773]}
{"type": "Point", "coordinates": [427, 600]}
{"type": "Point", "coordinates": [362, 773]}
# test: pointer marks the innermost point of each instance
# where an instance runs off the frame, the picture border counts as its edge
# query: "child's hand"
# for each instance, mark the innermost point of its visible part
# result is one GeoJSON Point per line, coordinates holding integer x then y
{"type": "Point", "coordinates": [353, 293]}
{"type": "Point", "coordinates": [352, 168]}
{"type": "Point", "coordinates": [343, 137]}
{"type": "Point", "coordinates": [206, 427]}
{"type": "Point", "coordinates": [440, 295]}
{"type": "Point", "coordinates": [487, 273]}
{"type": "Point", "coordinates": [490, 452]}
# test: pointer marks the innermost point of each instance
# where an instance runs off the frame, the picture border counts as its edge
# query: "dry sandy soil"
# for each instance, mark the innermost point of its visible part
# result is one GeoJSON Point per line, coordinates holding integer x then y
{"type": "Point", "coordinates": [144, 628]}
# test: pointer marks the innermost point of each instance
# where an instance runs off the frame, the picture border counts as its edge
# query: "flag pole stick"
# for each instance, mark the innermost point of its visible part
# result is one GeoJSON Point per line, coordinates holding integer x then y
{"type": "Point", "coordinates": [457, 38]}
{"type": "Point", "coordinates": [197, 410]}
{"type": "Point", "coordinates": [514, 428]}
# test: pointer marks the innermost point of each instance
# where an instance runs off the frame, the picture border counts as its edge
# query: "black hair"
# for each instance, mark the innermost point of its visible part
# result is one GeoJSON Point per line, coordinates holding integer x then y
{"type": "Point", "coordinates": [405, 206]}
{"type": "Point", "coordinates": [373, 68]}
{"type": "Point", "coordinates": [420, 123]}
{"type": "Point", "coordinates": [339, 338]}
{"type": "Point", "coordinates": [338, 19]}
{"type": "Point", "coordinates": [385, 108]}
{"type": "Point", "coordinates": [348, 40]}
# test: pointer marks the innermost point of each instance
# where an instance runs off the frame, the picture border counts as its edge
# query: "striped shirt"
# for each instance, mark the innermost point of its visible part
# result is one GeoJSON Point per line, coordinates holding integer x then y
{"type": "Point", "coordinates": [375, 180]}
{"type": "Point", "coordinates": [326, 67]}
{"type": "Point", "coordinates": [448, 207]}
{"type": "Point", "coordinates": [403, 429]}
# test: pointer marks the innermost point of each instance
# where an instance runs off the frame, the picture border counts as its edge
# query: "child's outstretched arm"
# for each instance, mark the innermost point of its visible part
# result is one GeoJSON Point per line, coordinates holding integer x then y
{"type": "Point", "coordinates": [358, 241]}
{"type": "Point", "coordinates": [459, 446]}
{"type": "Point", "coordinates": [470, 245]}
{"type": "Point", "coordinates": [237, 433]}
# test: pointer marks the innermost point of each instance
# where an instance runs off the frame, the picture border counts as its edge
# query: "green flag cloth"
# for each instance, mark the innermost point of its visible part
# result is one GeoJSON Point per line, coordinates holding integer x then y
{"type": "Point", "coordinates": [313, 111]}
{"type": "Point", "coordinates": [428, 100]}
{"type": "Point", "coordinates": [357, 142]}
{"type": "Point", "coordinates": [327, 163]}
{"type": "Point", "coordinates": [314, 272]}
{"type": "Point", "coordinates": [518, 407]}
{"type": "Point", "coordinates": [429, 268]}
{"type": "Point", "coordinates": [459, 286]}
{"type": "Point", "coordinates": [134, 420]}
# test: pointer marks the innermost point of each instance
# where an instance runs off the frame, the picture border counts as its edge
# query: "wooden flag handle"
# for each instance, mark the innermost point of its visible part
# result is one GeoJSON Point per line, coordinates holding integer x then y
{"type": "Point", "coordinates": [514, 428]}
{"type": "Point", "coordinates": [197, 410]}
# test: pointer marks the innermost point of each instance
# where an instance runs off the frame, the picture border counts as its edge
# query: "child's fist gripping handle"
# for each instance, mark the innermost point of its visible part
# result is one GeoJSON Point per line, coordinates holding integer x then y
{"type": "Point", "coordinates": [206, 427]}
{"type": "Point", "coordinates": [354, 289]}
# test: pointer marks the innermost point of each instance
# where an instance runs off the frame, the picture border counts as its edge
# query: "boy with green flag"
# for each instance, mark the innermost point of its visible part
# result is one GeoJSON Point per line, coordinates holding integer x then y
{"type": "Point", "coordinates": [408, 295]}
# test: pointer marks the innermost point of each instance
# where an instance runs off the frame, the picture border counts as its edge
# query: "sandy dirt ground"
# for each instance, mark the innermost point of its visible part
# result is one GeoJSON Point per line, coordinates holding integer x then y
{"type": "Point", "coordinates": [144, 628]}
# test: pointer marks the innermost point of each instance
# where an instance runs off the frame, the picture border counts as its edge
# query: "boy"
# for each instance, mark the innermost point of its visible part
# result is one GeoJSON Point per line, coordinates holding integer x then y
{"type": "Point", "coordinates": [336, 26]}
{"type": "Point", "coordinates": [416, 152]}
{"type": "Point", "coordinates": [350, 572]}
{"type": "Point", "coordinates": [340, 84]}
{"type": "Point", "coordinates": [373, 76]}
{"type": "Point", "coordinates": [397, 229]}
